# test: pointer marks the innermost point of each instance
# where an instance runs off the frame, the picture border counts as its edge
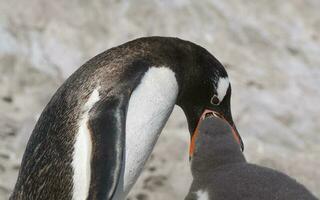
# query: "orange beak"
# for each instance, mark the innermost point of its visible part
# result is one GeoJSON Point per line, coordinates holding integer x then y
{"type": "Point", "coordinates": [196, 131]}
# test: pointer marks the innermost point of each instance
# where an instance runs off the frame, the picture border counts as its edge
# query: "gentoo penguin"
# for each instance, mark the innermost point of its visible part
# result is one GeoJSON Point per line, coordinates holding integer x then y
{"type": "Point", "coordinates": [96, 133]}
{"type": "Point", "coordinates": [220, 171]}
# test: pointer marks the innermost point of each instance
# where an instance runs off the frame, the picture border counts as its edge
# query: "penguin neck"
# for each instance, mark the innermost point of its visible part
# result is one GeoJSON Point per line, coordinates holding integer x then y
{"type": "Point", "coordinates": [215, 152]}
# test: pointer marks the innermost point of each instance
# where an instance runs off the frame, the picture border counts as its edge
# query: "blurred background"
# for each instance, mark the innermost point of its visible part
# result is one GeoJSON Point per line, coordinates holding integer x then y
{"type": "Point", "coordinates": [271, 50]}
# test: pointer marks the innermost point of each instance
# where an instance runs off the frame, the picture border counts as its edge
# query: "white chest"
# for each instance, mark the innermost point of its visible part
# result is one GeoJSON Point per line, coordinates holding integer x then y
{"type": "Point", "coordinates": [149, 108]}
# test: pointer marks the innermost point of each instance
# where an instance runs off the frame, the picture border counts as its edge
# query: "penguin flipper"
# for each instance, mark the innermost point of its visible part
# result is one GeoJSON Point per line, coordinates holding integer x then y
{"type": "Point", "coordinates": [107, 126]}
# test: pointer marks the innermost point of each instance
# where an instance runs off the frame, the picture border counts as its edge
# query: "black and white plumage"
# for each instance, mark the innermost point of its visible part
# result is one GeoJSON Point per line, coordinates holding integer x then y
{"type": "Point", "coordinates": [96, 133]}
{"type": "Point", "coordinates": [220, 170]}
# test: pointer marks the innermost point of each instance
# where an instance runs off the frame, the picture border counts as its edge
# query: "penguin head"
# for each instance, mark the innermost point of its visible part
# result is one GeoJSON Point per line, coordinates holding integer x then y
{"type": "Point", "coordinates": [214, 134]}
{"type": "Point", "coordinates": [206, 89]}
{"type": "Point", "coordinates": [215, 145]}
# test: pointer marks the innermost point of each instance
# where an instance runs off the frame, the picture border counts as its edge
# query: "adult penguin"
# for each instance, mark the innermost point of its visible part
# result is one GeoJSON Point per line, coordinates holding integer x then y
{"type": "Point", "coordinates": [96, 133]}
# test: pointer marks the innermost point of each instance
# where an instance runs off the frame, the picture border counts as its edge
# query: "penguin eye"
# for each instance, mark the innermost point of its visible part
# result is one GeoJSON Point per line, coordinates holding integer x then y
{"type": "Point", "coordinates": [215, 100]}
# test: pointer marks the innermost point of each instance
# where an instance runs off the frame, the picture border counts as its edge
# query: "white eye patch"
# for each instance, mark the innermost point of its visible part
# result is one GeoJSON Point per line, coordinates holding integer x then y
{"type": "Point", "coordinates": [223, 85]}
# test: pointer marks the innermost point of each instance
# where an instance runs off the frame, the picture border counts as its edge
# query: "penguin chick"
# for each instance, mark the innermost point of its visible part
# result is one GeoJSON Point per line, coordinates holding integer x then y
{"type": "Point", "coordinates": [221, 172]}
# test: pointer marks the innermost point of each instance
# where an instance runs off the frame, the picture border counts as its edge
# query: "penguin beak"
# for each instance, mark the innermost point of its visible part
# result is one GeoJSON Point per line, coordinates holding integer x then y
{"type": "Point", "coordinates": [210, 113]}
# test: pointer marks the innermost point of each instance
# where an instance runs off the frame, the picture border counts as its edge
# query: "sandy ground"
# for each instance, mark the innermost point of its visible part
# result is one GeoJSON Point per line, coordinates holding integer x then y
{"type": "Point", "coordinates": [270, 48]}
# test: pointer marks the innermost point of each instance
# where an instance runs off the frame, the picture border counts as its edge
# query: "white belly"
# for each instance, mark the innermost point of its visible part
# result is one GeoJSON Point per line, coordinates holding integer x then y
{"type": "Point", "coordinates": [149, 108]}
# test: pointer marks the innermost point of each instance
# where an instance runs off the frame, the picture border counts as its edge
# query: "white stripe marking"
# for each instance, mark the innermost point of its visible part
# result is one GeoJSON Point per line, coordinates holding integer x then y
{"type": "Point", "coordinates": [150, 106]}
{"type": "Point", "coordinates": [202, 195]}
{"type": "Point", "coordinates": [223, 85]}
{"type": "Point", "coordinates": [82, 152]}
